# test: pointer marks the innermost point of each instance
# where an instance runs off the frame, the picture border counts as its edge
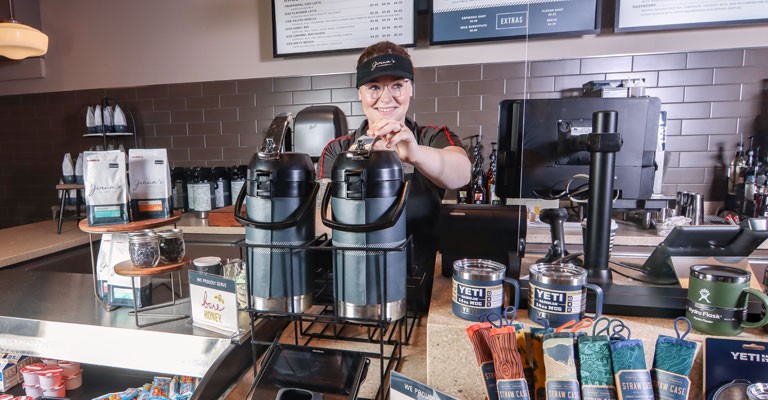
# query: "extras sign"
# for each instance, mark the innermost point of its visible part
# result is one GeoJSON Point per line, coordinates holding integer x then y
{"type": "Point", "coordinates": [214, 301]}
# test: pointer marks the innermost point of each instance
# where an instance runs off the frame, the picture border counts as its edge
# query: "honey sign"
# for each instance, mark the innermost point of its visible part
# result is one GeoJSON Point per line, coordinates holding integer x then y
{"type": "Point", "coordinates": [214, 301]}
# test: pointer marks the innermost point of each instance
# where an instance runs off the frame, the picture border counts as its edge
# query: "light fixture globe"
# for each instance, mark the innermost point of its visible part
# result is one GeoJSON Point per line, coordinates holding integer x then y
{"type": "Point", "coordinates": [19, 41]}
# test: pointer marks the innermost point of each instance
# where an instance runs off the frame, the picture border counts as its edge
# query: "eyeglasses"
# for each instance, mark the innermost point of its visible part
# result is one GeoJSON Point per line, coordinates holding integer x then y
{"type": "Point", "coordinates": [375, 90]}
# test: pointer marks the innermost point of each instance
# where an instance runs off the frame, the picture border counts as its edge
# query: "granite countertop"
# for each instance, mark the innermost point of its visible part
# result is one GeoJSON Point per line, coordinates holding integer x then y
{"type": "Point", "coordinates": [25, 242]}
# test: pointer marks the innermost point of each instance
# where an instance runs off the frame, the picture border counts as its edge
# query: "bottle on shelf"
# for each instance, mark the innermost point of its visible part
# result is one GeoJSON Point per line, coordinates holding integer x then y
{"type": "Point", "coordinates": [736, 169]}
{"type": "Point", "coordinates": [478, 191]}
{"type": "Point", "coordinates": [464, 193]}
{"type": "Point", "coordinates": [478, 187]}
{"type": "Point", "coordinates": [490, 177]}
{"type": "Point", "coordinates": [748, 207]}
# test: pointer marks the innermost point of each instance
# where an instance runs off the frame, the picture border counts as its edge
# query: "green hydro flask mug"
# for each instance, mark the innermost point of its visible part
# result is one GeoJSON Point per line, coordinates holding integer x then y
{"type": "Point", "coordinates": [717, 300]}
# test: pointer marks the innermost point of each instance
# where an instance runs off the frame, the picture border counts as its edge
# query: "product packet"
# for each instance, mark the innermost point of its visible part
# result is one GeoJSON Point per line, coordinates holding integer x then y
{"type": "Point", "coordinates": [732, 364]}
{"type": "Point", "coordinates": [672, 361]}
{"type": "Point", "coordinates": [127, 394]}
{"type": "Point", "coordinates": [595, 367]}
{"type": "Point", "coordinates": [106, 189]}
{"type": "Point", "coordinates": [633, 380]}
{"type": "Point", "coordinates": [119, 288]}
{"type": "Point", "coordinates": [537, 361]}
{"type": "Point", "coordinates": [150, 184]}
{"type": "Point", "coordinates": [508, 365]}
{"type": "Point", "coordinates": [560, 366]}
{"type": "Point", "coordinates": [479, 336]}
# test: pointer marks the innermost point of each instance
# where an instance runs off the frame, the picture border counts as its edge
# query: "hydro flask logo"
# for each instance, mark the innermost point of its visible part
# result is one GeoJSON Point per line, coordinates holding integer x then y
{"type": "Point", "coordinates": [704, 296]}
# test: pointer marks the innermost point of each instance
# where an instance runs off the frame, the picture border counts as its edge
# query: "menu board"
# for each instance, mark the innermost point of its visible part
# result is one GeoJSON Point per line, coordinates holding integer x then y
{"type": "Point", "coordinates": [644, 15]}
{"type": "Point", "coordinates": [456, 21]}
{"type": "Point", "coordinates": [312, 26]}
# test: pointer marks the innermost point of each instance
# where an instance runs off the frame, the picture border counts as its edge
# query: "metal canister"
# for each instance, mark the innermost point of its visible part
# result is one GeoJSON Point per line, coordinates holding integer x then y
{"type": "Point", "coordinates": [367, 195]}
{"type": "Point", "coordinates": [557, 293]}
{"type": "Point", "coordinates": [280, 192]}
{"type": "Point", "coordinates": [477, 288]}
{"type": "Point", "coordinates": [237, 175]}
{"type": "Point", "coordinates": [223, 194]}
{"type": "Point", "coordinates": [202, 192]}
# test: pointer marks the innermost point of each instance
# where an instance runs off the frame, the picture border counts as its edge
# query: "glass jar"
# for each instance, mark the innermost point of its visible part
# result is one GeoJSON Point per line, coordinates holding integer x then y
{"type": "Point", "coordinates": [171, 245]}
{"type": "Point", "coordinates": [144, 249]}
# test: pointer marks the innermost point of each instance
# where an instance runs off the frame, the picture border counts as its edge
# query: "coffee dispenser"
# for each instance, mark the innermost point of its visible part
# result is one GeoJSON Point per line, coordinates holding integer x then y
{"type": "Point", "coordinates": [280, 215]}
{"type": "Point", "coordinates": [367, 195]}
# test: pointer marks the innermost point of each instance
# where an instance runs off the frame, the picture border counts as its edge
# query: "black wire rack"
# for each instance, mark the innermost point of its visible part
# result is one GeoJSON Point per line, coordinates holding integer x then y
{"type": "Point", "coordinates": [322, 322]}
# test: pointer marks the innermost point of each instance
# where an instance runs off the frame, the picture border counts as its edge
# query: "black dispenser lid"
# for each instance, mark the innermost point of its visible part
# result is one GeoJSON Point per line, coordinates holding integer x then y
{"type": "Point", "coordinates": [221, 172]}
{"type": "Point", "coordinates": [378, 165]}
{"type": "Point", "coordinates": [286, 167]}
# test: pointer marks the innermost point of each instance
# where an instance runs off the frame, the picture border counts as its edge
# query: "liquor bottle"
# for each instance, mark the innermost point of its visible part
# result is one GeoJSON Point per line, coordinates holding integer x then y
{"type": "Point", "coordinates": [478, 191]}
{"type": "Point", "coordinates": [761, 197]}
{"type": "Point", "coordinates": [748, 206]}
{"type": "Point", "coordinates": [736, 169]}
{"type": "Point", "coordinates": [490, 177]}
{"type": "Point", "coordinates": [462, 194]}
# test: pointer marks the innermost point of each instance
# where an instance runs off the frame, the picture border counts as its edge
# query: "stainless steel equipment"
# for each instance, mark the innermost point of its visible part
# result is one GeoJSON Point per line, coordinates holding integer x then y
{"type": "Point", "coordinates": [367, 195]}
{"type": "Point", "coordinates": [280, 207]}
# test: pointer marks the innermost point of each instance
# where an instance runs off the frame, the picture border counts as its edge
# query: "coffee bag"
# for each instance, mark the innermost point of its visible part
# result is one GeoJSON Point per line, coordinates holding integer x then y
{"type": "Point", "coordinates": [150, 184]}
{"type": "Point", "coordinates": [106, 189]}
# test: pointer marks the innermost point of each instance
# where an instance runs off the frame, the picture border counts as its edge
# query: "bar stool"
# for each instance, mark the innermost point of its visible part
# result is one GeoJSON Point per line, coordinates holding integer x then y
{"type": "Point", "coordinates": [64, 189]}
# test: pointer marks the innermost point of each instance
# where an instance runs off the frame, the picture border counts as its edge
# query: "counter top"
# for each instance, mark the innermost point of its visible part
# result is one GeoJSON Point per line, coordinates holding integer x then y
{"type": "Point", "coordinates": [25, 242]}
{"type": "Point", "coordinates": [60, 309]}
{"type": "Point", "coordinates": [448, 345]}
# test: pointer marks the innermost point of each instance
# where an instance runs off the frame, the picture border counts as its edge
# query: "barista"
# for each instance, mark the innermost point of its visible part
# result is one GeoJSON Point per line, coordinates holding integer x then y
{"type": "Point", "coordinates": [434, 154]}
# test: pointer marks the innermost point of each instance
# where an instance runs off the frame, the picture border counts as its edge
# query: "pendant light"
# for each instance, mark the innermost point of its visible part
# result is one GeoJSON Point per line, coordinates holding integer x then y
{"type": "Point", "coordinates": [19, 41]}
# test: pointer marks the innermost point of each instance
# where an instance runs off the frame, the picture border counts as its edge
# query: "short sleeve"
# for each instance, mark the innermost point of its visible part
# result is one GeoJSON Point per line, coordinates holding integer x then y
{"type": "Point", "coordinates": [331, 151]}
{"type": "Point", "coordinates": [439, 137]}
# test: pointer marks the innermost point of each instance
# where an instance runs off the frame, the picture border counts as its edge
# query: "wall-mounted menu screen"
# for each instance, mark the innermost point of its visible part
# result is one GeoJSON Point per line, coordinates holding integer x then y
{"type": "Point", "coordinates": [646, 15]}
{"type": "Point", "coordinates": [313, 26]}
{"type": "Point", "coordinates": [457, 21]}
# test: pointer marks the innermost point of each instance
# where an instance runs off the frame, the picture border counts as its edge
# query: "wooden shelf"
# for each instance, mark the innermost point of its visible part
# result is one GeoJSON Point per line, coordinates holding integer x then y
{"type": "Point", "coordinates": [131, 226]}
{"type": "Point", "coordinates": [126, 268]}
{"type": "Point", "coordinates": [69, 186]}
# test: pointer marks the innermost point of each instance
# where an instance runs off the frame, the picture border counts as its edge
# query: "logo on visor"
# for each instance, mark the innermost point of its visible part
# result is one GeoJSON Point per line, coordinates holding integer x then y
{"type": "Point", "coordinates": [385, 63]}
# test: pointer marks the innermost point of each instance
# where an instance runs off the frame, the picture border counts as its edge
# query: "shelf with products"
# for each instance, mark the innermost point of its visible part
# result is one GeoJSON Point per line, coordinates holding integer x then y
{"type": "Point", "coordinates": [58, 319]}
{"type": "Point", "coordinates": [120, 228]}
{"type": "Point", "coordinates": [127, 268]}
{"type": "Point", "coordinates": [104, 130]}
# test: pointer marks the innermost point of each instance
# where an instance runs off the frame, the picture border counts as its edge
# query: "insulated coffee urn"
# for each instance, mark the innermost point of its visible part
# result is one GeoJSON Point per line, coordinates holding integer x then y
{"type": "Point", "coordinates": [280, 212]}
{"type": "Point", "coordinates": [367, 195]}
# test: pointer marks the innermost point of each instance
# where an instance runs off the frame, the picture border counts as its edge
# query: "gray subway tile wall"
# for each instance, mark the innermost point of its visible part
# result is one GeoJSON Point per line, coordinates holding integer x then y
{"type": "Point", "coordinates": [712, 98]}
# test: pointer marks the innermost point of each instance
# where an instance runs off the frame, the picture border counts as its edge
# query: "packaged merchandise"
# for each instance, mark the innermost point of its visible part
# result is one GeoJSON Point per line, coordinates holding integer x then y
{"type": "Point", "coordinates": [9, 374]}
{"type": "Point", "coordinates": [119, 288]}
{"type": "Point", "coordinates": [731, 365]}
{"type": "Point", "coordinates": [120, 123]}
{"type": "Point", "coordinates": [150, 184]}
{"type": "Point", "coordinates": [633, 380]}
{"type": "Point", "coordinates": [68, 169]}
{"type": "Point", "coordinates": [106, 189]}
{"type": "Point", "coordinates": [479, 335]}
{"type": "Point", "coordinates": [672, 362]}
{"type": "Point", "coordinates": [595, 367]}
{"type": "Point", "coordinates": [560, 366]}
